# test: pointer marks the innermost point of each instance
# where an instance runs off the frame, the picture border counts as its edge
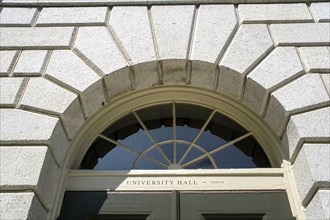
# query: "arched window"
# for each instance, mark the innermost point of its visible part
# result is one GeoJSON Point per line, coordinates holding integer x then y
{"type": "Point", "coordinates": [174, 136]}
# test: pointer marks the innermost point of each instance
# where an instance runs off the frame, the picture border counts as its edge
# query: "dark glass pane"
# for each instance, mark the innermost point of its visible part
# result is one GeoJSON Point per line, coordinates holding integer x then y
{"type": "Point", "coordinates": [192, 154]}
{"type": "Point", "coordinates": [162, 134]}
{"type": "Point", "coordinates": [209, 141]}
{"type": "Point", "coordinates": [157, 155]}
{"type": "Point", "coordinates": [186, 133]}
{"type": "Point", "coordinates": [148, 165]}
{"type": "Point", "coordinates": [232, 216]}
{"type": "Point", "coordinates": [232, 157]}
{"type": "Point", "coordinates": [201, 164]}
{"type": "Point", "coordinates": [168, 150]}
{"type": "Point", "coordinates": [138, 141]}
{"type": "Point", "coordinates": [224, 127]}
{"type": "Point", "coordinates": [117, 159]}
{"type": "Point", "coordinates": [180, 150]}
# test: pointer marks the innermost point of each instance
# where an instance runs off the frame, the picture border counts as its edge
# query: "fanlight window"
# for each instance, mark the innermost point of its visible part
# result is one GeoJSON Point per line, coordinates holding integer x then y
{"type": "Point", "coordinates": [174, 136]}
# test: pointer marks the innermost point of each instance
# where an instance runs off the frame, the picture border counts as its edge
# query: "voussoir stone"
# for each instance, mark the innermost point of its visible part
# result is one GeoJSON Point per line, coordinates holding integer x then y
{"type": "Point", "coordinates": [321, 11]}
{"type": "Point", "coordinates": [27, 174]}
{"type": "Point", "coordinates": [134, 32]}
{"type": "Point", "coordinates": [17, 16]}
{"type": "Point", "coordinates": [21, 205]}
{"type": "Point", "coordinates": [7, 61]}
{"type": "Point", "coordinates": [118, 82]}
{"type": "Point", "coordinates": [72, 16]}
{"type": "Point", "coordinates": [310, 126]}
{"type": "Point", "coordinates": [11, 89]}
{"type": "Point", "coordinates": [312, 170]}
{"type": "Point", "coordinates": [300, 95]}
{"type": "Point", "coordinates": [97, 47]}
{"type": "Point", "coordinates": [318, 208]}
{"type": "Point", "coordinates": [304, 34]}
{"type": "Point", "coordinates": [41, 94]}
{"type": "Point", "coordinates": [172, 31]}
{"type": "Point", "coordinates": [23, 127]}
{"type": "Point", "coordinates": [316, 59]}
{"type": "Point", "coordinates": [219, 22]}
{"type": "Point", "coordinates": [270, 13]}
{"type": "Point", "coordinates": [66, 68]}
{"type": "Point", "coordinates": [249, 45]}
{"type": "Point", "coordinates": [282, 65]}
{"type": "Point", "coordinates": [203, 74]}
{"type": "Point", "coordinates": [36, 37]}
{"type": "Point", "coordinates": [31, 63]}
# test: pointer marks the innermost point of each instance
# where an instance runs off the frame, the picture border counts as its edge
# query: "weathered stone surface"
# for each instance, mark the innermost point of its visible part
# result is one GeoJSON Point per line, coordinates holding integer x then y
{"type": "Point", "coordinates": [10, 91]}
{"type": "Point", "coordinates": [321, 11]}
{"type": "Point", "coordinates": [7, 61]}
{"type": "Point", "coordinates": [118, 82]}
{"type": "Point", "coordinates": [174, 72]}
{"type": "Point", "coordinates": [308, 126]}
{"type": "Point", "coordinates": [250, 44]}
{"type": "Point", "coordinates": [146, 75]}
{"type": "Point", "coordinates": [36, 38]}
{"type": "Point", "coordinates": [97, 47]}
{"type": "Point", "coordinates": [326, 80]}
{"type": "Point", "coordinates": [274, 13]}
{"type": "Point", "coordinates": [27, 174]}
{"type": "Point", "coordinates": [316, 59]}
{"type": "Point", "coordinates": [21, 205]}
{"type": "Point", "coordinates": [203, 74]}
{"type": "Point", "coordinates": [289, 99]}
{"type": "Point", "coordinates": [41, 94]}
{"type": "Point", "coordinates": [65, 67]}
{"type": "Point", "coordinates": [312, 170]}
{"type": "Point", "coordinates": [219, 22]}
{"type": "Point", "coordinates": [319, 206]}
{"type": "Point", "coordinates": [31, 63]}
{"type": "Point", "coordinates": [138, 43]}
{"type": "Point", "coordinates": [23, 127]}
{"type": "Point", "coordinates": [309, 34]}
{"type": "Point", "coordinates": [172, 31]}
{"type": "Point", "coordinates": [282, 65]}
{"type": "Point", "coordinates": [72, 16]}
{"type": "Point", "coordinates": [17, 16]}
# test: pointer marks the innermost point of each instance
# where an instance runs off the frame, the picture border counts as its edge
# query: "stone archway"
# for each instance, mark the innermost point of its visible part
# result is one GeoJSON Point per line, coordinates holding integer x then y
{"type": "Point", "coordinates": [82, 69]}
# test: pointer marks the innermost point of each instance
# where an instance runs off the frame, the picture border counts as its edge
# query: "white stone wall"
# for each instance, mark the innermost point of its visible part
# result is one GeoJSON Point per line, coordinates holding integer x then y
{"type": "Point", "coordinates": [59, 65]}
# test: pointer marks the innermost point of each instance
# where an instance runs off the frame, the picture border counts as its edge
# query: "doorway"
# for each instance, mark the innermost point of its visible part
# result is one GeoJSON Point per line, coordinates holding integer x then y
{"type": "Point", "coordinates": [176, 205]}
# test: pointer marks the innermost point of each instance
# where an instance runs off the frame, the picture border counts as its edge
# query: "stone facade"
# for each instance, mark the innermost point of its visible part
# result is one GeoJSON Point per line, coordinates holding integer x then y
{"type": "Point", "coordinates": [60, 65]}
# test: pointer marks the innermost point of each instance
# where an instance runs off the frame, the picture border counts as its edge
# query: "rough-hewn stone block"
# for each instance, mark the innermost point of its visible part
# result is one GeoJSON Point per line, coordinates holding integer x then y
{"type": "Point", "coordinates": [31, 63]}
{"type": "Point", "coordinates": [36, 38]}
{"type": "Point", "coordinates": [10, 91]}
{"type": "Point", "coordinates": [138, 43]}
{"type": "Point", "coordinates": [319, 206]}
{"type": "Point", "coordinates": [19, 172]}
{"type": "Point", "coordinates": [172, 31]}
{"type": "Point", "coordinates": [316, 59]}
{"type": "Point", "coordinates": [274, 13]}
{"type": "Point", "coordinates": [250, 44]}
{"type": "Point", "coordinates": [21, 205]}
{"type": "Point", "coordinates": [7, 61]}
{"type": "Point", "coordinates": [313, 34]}
{"type": "Point", "coordinates": [17, 16]}
{"type": "Point", "coordinates": [278, 68]}
{"type": "Point", "coordinates": [65, 67]}
{"type": "Point", "coordinates": [219, 22]}
{"type": "Point", "coordinates": [321, 11]}
{"type": "Point", "coordinates": [41, 94]}
{"type": "Point", "coordinates": [289, 99]}
{"type": "Point", "coordinates": [97, 47]}
{"type": "Point", "coordinates": [72, 16]}
{"type": "Point", "coordinates": [309, 126]}
{"type": "Point", "coordinates": [312, 170]}
{"type": "Point", "coordinates": [23, 127]}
